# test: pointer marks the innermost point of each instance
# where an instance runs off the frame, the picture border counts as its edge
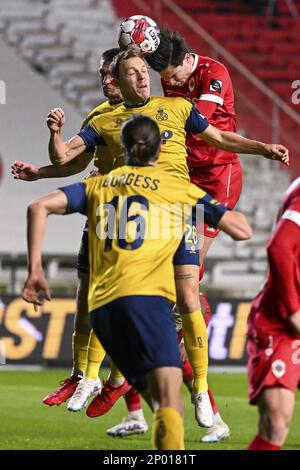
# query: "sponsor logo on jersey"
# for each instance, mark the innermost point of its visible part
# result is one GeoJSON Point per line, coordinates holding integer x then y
{"type": "Point", "coordinates": [161, 115]}
{"type": "Point", "coordinates": [278, 368]}
{"type": "Point", "coordinates": [215, 85]}
{"type": "Point", "coordinates": [192, 84]}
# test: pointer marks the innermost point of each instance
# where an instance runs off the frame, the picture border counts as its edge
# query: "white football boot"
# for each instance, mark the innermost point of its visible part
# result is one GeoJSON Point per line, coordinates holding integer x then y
{"type": "Point", "coordinates": [86, 389]}
{"type": "Point", "coordinates": [128, 427]}
{"type": "Point", "coordinates": [203, 410]}
{"type": "Point", "coordinates": [217, 432]}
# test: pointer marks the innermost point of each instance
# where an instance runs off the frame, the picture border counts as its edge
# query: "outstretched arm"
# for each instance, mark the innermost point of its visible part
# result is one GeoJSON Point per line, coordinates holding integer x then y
{"type": "Point", "coordinates": [29, 172]}
{"type": "Point", "coordinates": [37, 213]}
{"type": "Point", "coordinates": [217, 215]}
{"type": "Point", "coordinates": [235, 225]}
{"type": "Point", "coordinates": [233, 142]}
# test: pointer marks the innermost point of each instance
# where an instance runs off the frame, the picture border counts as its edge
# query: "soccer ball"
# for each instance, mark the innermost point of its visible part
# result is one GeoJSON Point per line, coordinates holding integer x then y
{"type": "Point", "coordinates": [139, 31]}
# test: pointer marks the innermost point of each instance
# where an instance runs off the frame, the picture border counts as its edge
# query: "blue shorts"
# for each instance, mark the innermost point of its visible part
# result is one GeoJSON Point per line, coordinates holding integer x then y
{"type": "Point", "coordinates": [139, 335]}
{"type": "Point", "coordinates": [83, 254]}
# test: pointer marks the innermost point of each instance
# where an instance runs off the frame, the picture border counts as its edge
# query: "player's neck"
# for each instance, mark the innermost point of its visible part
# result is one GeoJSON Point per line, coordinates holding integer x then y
{"type": "Point", "coordinates": [115, 101]}
{"type": "Point", "coordinates": [139, 104]}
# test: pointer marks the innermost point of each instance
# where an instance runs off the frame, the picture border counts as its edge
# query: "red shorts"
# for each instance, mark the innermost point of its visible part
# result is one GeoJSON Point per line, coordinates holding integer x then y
{"type": "Point", "coordinates": [223, 182]}
{"type": "Point", "coordinates": [273, 361]}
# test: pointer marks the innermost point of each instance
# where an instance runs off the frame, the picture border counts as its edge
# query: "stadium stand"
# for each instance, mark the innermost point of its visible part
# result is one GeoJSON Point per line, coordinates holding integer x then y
{"type": "Point", "coordinates": [61, 40]}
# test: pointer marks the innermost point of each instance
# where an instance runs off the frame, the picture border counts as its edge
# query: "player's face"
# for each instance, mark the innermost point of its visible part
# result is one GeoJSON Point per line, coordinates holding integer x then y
{"type": "Point", "coordinates": [110, 88]}
{"type": "Point", "coordinates": [134, 80]}
{"type": "Point", "coordinates": [177, 76]}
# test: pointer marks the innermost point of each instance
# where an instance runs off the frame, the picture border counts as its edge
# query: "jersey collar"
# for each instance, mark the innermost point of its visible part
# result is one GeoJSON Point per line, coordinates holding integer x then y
{"type": "Point", "coordinates": [112, 103]}
{"type": "Point", "coordinates": [130, 106]}
{"type": "Point", "coordinates": [196, 59]}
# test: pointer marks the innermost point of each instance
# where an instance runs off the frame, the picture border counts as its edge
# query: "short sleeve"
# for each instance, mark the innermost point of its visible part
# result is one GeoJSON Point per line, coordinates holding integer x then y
{"type": "Point", "coordinates": [214, 83]}
{"type": "Point", "coordinates": [76, 197]}
{"type": "Point", "coordinates": [196, 122]}
{"type": "Point", "coordinates": [91, 138]}
{"type": "Point", "coordinates": [213, 210]}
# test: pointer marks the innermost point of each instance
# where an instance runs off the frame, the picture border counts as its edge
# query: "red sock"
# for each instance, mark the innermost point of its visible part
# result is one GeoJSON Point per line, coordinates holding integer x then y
{"type": "Point", "coordinates": [187, 372]}
{"type": "Point", "coordinates": [201, 272]}
{"type": "Point", "coordinates": [212, 402]}
{"type": "Point", "coordinates": [259, 443]}
{"type": "Point", "coordinates": [205, 308]}
{"type": "Point", "coordinates": [133, 400]}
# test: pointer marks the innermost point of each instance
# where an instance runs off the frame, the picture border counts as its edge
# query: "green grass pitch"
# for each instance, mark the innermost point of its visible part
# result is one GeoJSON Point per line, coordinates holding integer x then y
{"type": "Point", "coordinates": [28, 424]}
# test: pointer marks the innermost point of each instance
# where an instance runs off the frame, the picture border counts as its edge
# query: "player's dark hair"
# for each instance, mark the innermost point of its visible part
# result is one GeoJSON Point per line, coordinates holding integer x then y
{"type": "Point", "coordinates": [108, 55]}
{"type": "Point", "coordinates": [171, 51]}
{"type": "Point", "coordinates": [140, 137]}
{"type": "Point", "coordinates": [123, 55]}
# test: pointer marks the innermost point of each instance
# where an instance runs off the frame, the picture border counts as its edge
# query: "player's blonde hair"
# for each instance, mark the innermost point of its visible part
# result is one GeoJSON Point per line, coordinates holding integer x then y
{"type": "Point", "coordinates": [133, 51]}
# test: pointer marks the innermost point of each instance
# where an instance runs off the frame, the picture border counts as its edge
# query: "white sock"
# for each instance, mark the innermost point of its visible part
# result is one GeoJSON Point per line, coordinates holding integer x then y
{"type": "Point", "coordinates": [137, 414]}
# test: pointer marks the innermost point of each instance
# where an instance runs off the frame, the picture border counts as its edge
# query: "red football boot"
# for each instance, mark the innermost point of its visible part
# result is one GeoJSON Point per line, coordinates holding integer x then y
{"type": "Point", "coordinates": [65, 391]}
{"type": "Point", "coordinates": [103, 402]}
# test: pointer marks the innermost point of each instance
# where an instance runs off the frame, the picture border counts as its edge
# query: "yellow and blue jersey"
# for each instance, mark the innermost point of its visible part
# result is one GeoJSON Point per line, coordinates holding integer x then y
{"type": "Point", "coordinates": [136, 223]}
{"type": "Point", "coordinates": [103, 159]}
{"type": "Point", "coordinates": [174, 116]}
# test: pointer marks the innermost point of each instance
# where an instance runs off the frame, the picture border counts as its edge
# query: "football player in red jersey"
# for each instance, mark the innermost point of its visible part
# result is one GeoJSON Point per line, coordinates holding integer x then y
{"type": "Point", "coordinates": [274, 331]}
{"type": "Point", "coordinates": [207, 84]}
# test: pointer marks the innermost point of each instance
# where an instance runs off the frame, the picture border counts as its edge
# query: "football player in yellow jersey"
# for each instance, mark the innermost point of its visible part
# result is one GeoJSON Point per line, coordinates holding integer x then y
{"type": "Point", "coordinates": [131, 266]}
{"type": "Point", "coordinates": [87, 351]}
{"type": "Point", "coordinates": [174, 116]}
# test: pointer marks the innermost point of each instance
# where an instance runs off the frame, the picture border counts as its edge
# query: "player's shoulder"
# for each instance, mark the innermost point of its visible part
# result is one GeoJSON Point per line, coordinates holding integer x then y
{"type": "Point", "coordinates": [102, 113]}
{"type": "Point", "coordinates": [169, 101]}
{"type": "Point", "coordinates": [97, 111]}
{"type": "Point", "coordinates": [211, 64]}
{"type": "Point", "coordinates": [294, 189]}
{"type": "Point", "coordinates": [176, 105]}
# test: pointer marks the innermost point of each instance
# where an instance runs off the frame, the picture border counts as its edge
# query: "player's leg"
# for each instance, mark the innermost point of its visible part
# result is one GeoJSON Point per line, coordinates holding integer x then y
{"type": "Point", "coordinates": [276, 407]}
{"type": "Point", "coordinates": [195, 338]}
{"type": "Point", "coordinates": [186, 267]}
{"type": "Point", "coordinates": [165, 384]}
{"type": "Point", "coordinates": [90, 384]}
{"type": "Point", "coordinates": [219, 429]}
{"type": "Point", "coordinates": [114, 388]}
{"type": "Point", "coordinates": [130, 328]}
{"type": "Point", "coordinates": [134, 422]}
{"type": "Point", "coordinates": [80, 340]}
{"type": "Point", "coordinates": [88, 353]}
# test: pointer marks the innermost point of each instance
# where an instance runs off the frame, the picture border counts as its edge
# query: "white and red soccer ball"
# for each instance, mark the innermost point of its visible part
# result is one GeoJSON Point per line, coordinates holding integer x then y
{"type": "Point", "coordinates": [139, 31]}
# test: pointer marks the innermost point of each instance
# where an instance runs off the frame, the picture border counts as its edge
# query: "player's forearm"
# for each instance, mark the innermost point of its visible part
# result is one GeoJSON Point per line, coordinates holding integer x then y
{"type": "Point", "coordinates": [56, 148]}
{"type": "Point", "coordinates": [36, 223]}
{"type": "Point", "coordinates": [67, 169]}
{"type": "Point", "coordinates": [233, 142]}
{"type": "Point", "coordinates": [235, 224]}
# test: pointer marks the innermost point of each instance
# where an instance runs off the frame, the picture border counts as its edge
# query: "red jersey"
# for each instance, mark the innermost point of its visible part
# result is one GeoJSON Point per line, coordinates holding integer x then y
{"type": "Point", "coordinates": [209, 81]}
{"type": "Point", "coordinates": [280, 296]}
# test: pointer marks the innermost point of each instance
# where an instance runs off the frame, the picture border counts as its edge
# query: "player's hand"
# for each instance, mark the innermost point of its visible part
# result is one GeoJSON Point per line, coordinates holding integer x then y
{"type": "Point", "coordinates": [24, 171]}
{"type": "Point", "coordinates": [93, 173]}
{"type": "Point", "coordinates": [294, 321]}
{"type": "Point", "coordinates": [34, 284]}
{"type": "Point", "coordinates": [277, 152]}
{"type": "Point", "coordinates": [56, 119]}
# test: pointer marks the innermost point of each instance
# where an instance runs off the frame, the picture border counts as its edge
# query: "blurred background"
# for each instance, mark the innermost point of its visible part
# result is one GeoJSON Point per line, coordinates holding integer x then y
{"type": "Point", "coordinates": [49, 56]}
